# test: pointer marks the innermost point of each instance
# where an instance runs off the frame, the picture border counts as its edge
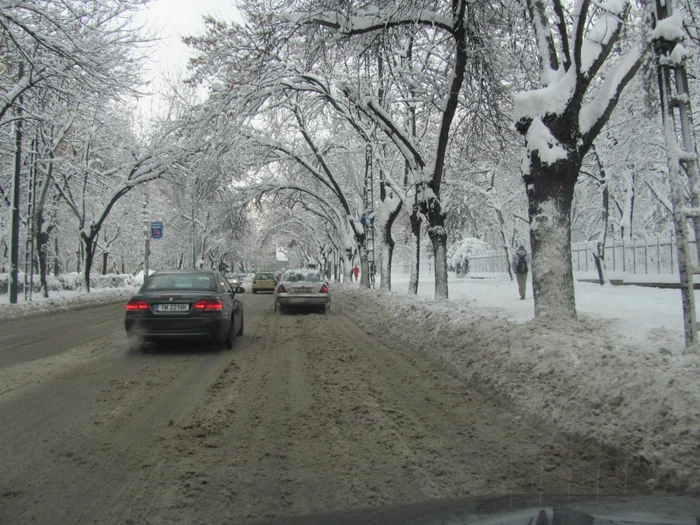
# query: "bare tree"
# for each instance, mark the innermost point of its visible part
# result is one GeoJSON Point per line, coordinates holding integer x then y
{"type": "Point", "coordinates": [560, 122]}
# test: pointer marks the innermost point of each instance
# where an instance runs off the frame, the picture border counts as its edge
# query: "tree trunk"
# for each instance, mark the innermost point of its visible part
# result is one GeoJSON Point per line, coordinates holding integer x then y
{"type": "Point", "coordinates": [347, 265]}
{"type": "Point", "coordinates": [599, 258]}
{"type": "Point", "coordinates": [88, 245]}
{"type": "Point", "coordinates": [550, 191]}
{"type": "Point", "coordinates": [364, 266]}
{"type": "Point", "coordinates": [57, 257]}
{"type": "Point", "coordinates": [80, 255]}
{"type": "Point", "coordinates": [502, 229]}
{"type": "Point", "coordinates": [387, 244]}
{"type": "Point", "coordinates": [42, 244]}
{"type": "Point", "coordinates": [105, 262]}
{"type": "Point", "coordinates": [438, 237]}
{"type": "Point", "coordinates": [416, 220]}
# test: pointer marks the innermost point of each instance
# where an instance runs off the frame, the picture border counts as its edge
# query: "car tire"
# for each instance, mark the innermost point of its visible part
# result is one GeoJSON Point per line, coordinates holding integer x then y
{"type": "Point", "coordinates": [255, 291]}
{"type": "Point", "coordinates": [228, 342]}
{"type": "Point", "coordinates": [240, 331]}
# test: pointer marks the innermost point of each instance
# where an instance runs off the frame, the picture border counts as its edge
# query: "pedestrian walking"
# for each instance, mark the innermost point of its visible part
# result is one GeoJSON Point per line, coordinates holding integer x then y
{"type": "Point", "coordinates": [521, 269]}
{"type": "Point", "coordinates": [356, 272]}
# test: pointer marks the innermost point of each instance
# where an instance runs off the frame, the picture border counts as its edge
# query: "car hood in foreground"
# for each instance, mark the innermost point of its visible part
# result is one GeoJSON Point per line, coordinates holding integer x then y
{"type": "Point", "coordinates": [518, 510]}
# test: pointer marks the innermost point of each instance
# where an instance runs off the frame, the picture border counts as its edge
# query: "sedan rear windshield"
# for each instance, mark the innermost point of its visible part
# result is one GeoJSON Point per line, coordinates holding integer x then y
{"type": "Point", "coordinates": [264, 277]}
{"type": "Point", "coordinates": [296, 276]}
{"type": "Point", "coordinates": [180, 282]}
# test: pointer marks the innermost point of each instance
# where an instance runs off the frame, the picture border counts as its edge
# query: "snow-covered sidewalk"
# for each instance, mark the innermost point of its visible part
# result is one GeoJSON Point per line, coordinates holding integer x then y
{"type": "Point", "coordinates": [618, 376]}
{"type": "Point", "coordinates": [63, 300]}
{"type": "Point", "coordinates": [640, 315]}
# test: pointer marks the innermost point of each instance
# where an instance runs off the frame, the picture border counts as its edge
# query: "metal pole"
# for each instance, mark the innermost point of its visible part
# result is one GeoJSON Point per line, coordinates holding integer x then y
{"type": "Point", "coordinates": [29, 243]}
{"type": "Point", "coordinates": [147, 236]}
{"type": "Point", "coordinates": [646, 255]}
{"type": "Point", "coordinates": [14, 220]}
{"type": "Point", "coordinates": [613, 250]}
{"type": "Point", "coordinates": [624, 256]}
{"type": "Point", "coordinates": [658, 256]}
{"type": "Point", "coordinates": [194, 250]}
{"type": "Point", "coordinates": [672, 250]}
{"type": "Point", "coordinates": [634, 257]}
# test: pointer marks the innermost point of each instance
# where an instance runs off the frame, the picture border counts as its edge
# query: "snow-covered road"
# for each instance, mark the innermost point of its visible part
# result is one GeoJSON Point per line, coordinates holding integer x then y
{"type": "Point", "coordinates": [307, 414]}
{"type": "Point", "coordinates": [619, 377]}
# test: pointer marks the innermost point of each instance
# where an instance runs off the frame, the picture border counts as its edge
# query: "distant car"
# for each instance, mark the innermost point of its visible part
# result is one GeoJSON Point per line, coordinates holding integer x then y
{"type": "Point", "coordinates": [264, 282]}
{"type": "Point", "coordinates": [302, 289]}
{"type": "Point", "coordinates": [234, 280]}
{"type": "Point", "coordinates": [185, 305]}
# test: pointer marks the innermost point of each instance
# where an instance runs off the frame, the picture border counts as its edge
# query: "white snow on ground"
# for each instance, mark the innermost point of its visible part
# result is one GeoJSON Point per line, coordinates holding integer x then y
{"type": "Point", "coordinates": [63, 300]}
{"type": "Point", "coordinates": [637, 313]}
{"type": "Point", "coordinates": [618, 376]}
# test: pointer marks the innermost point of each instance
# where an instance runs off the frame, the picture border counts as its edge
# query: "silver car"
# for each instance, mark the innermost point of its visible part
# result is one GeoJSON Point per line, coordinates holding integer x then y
{"type": "Point", "coordinates": [302, 289]}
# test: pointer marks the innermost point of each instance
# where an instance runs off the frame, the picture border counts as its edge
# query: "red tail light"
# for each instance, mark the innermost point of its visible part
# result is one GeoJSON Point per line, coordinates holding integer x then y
{"type": "Point", "coordinates": [209, 305]}
{"type": "Point", "coordinates": [281, 289]}
{"type": "Point", "coordinates": [133, 306]}
{"type": "Point", "coordinates": [324, 289]}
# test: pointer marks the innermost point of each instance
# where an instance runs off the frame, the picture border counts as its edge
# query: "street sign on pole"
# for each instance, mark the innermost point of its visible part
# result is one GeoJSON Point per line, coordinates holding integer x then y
{"type": "Point", "coordinates": [156, 230]}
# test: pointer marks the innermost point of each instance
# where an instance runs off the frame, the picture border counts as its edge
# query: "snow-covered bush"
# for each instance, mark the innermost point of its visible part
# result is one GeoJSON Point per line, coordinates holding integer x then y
{"type": "Point", "coordinates": [459, 253]}
{"type": "Point", "coordinates": [69, 281]}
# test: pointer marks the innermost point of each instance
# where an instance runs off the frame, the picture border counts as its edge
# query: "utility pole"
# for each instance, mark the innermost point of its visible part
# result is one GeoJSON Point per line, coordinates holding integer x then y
{"type": "Point", "coordinates": [14, 220]}
{"type": "Point", "coordinates": [147, 234]}
{"type": "Point", "coordinates": [680, 151]}
{"type": "Point", "coordinates": [29, 244]}
{"type": "Point", "coordinates": [194, 249]}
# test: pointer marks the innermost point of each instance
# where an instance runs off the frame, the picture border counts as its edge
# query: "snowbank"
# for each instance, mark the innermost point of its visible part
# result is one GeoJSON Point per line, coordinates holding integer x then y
{"type": "Point", "coordinates": [65, 300]}
{"type": "Point", "coordinates": [70, 281]}
{"type": "Point", "coordinates": [581, 377]}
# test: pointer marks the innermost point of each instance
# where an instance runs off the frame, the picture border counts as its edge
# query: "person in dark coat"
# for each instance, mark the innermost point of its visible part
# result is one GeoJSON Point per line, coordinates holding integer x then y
{"type": "Point", "coordinates": [521, 269]}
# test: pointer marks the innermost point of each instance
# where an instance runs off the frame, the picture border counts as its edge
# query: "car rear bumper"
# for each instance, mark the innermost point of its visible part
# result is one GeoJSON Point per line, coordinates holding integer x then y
{"type": "Point", "coordinates": [152, 329]}
{"type": "Point", "coordinates": [303, 300]}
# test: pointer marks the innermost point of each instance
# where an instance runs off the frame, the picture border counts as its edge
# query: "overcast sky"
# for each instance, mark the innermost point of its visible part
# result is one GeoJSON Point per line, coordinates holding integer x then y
{"type": "Point", "coordinates": [173, 19]}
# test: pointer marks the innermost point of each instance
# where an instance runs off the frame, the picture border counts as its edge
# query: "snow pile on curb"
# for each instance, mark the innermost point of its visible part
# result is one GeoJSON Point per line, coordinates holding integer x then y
{"type": "Point", "coordinates": [65, 300]}
{"type": "Point", "coordinates": [71, 281]}
{"type": "Point", "coordinates": [579, 377]}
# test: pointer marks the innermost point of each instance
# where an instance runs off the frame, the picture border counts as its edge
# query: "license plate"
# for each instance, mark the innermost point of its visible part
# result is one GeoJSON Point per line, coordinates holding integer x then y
{"type": "Point", "coordinates": [172, 307]}
{"type": "Point", "coordinates": [303, 289]}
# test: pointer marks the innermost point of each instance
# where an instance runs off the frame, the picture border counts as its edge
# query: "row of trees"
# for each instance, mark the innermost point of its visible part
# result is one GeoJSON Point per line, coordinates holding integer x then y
{"type": "Point", "coordinates": [423, 95]}
{"type": "Point", "coordinates": [322, 119]}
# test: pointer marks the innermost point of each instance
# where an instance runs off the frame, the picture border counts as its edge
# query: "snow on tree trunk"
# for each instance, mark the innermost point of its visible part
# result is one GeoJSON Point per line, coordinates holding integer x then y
{"type": "Point", "coordinates": [387, 252]}
{"type": "Point", "coordinates": [364, 266]}
{"type": "Point", "coordinates": [347, 264]}
{"type": "Point", "coordinates": [416, 221]}
{"type": "Point", "coordinates": [389, 208]}
{"type": "Point", "coordinates": [438, 236]}
{"type": "Point", "coordinates": [550, 197]}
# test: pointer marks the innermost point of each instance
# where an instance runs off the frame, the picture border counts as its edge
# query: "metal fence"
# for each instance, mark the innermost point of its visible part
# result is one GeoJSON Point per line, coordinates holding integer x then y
{"type": "Point", "coordinates": [648, 256]}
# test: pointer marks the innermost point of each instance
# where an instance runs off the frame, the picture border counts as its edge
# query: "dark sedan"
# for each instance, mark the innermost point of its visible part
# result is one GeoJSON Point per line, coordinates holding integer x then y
{"type": "Point", "coordinates": [185, 305]}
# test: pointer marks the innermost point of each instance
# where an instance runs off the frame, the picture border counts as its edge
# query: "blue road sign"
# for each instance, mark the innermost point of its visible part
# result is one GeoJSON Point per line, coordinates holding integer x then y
{"type": "Point", "coordinates": [156, 230]}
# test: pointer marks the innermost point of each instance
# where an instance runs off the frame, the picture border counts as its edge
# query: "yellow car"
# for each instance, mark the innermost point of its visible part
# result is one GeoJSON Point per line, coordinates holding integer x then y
{"type": "Point", "coordinates": [264, 282]}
